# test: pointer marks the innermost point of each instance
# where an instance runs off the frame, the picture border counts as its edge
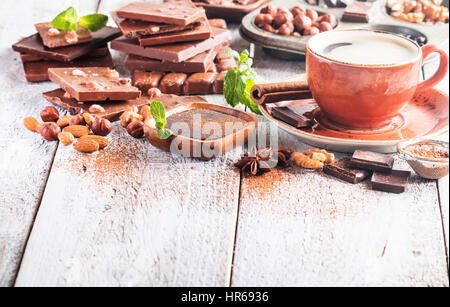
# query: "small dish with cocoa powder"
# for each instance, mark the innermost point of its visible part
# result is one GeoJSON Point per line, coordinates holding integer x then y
{"type": "Point", "coordinates": [428, 158]}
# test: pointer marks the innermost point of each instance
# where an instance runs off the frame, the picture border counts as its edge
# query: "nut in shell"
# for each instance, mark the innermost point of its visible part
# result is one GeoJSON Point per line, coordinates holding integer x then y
{"type": "Point", "coordinates": [77, 120]}
{"type": "Point", "coordinates": [136, 129]}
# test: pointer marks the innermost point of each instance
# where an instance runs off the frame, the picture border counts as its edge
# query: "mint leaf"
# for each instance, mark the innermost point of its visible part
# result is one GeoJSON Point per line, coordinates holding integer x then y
{"type": "Point", "coordinates": [233, 87]}
{"type": "Point", "coordinates": [66, 20]}
{"type": "Point", "coordinates": [164, 134]}
{"type": "Point", "coordinates": [247, 100]}
{"type": "Point", "coordinates": [232, 53]}
{"type": "Point", "coordinates": [244, 57]}
{"type": "Point", "coordinates": [158, 113]}
{"type": "Point", "coordinates": [93, 22]}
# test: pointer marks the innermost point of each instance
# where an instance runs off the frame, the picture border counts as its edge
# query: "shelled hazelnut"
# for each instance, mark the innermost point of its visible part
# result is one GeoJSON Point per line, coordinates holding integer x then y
{"type": "Point", "coordinates": [50, 131]}
{"type": "Point", "coordinates": [101, 126]}
{"type": "Point", "coordinates": [49, 114]}
{"type": "Point", "coordinates": [136, 129]}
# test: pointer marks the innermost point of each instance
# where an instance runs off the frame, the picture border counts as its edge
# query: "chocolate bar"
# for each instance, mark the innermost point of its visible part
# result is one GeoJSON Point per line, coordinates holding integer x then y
{"type": "Point", "coordinates": [93, 84]}
{"type": "Point", "coordinates": [230, 10]}
{"type": "Point", "coordinates": [218, 23]}
{"type": "Point", "coordinates": [372, 161]}
{"type": "Point", "coordinates": [36, 69]}
{"type": "Point", "coordinates": [342, 169]}
{"type": "Point", "coordinates": [96, 53]}
{"type": "Point", "coordinates": [175, 52]}
{"type": "Point", "coordinates": [114, 109]}
{"type": "Point", "coordinates": [173, 83]}
{"type": "Point", "coordinates": [33, 45]}
{"type": "Point", "coordinates": [358, 11]}
{"type": "Point", "coordinates": [394, 182]}
{"type": "Point", "coordinates": [58, 39]}
{"type": "Point", "coordinates": [180, 13]}
{"type": "Point", "coordinates": [290, 117]}
{"type": "Point", "coordinates": [199, 83]}
{"type": "Point", "coordinates": [201, 32]}
{"type": "Point", "coordinates": [218, 84]}
{"type": "Point", "coordinates": [146, 80]}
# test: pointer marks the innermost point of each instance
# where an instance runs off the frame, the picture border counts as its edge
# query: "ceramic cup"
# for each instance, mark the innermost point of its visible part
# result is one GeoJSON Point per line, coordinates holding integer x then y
{"type": "Point", "coordinates": [369, 92]}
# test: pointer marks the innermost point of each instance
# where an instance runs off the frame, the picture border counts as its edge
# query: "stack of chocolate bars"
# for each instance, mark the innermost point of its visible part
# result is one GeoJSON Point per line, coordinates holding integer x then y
{"type": "Point", "coordinates": [53, 48]}
{"type": "Point", "coordinates": [172, 46]}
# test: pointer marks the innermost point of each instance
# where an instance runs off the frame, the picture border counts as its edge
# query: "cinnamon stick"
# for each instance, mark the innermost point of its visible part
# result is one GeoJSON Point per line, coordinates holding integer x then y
{"type": "Point", "coordinates": [280, 91]}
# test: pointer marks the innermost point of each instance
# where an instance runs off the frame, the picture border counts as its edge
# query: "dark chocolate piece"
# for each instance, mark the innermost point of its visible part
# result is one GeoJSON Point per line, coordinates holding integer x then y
{"type": "Point", "coordinates": [33, 45]}
{"type": "Point", "coordinates": [173, 83]}
{"type": "Point", "coordinates": [174, 53]}
{"type": "Point", "coordinates": [182, 13]}
{"type": "Point", "coordinates": [394, 182]}
{"type": "Point", "coordinates": [372, 161]}
{"type": "Point", "coordinates": [37, 71]}
{"type": "Point", "coordinates": [144, 80]}
{"type": "Point", "coordinates": [202, 32]}
{"type": "Point", "coordinates": [56, 38]}
{"type": "Point", "coordinates": [96, 53]}
{"type": "Point", "coordinates": [199, 83]}
{"type": "Point", "coordinates": [93, 83]}
{"type": "Point", "coordinates": [358, 11]}
{"type": "Point", "coordinates": [114, 109]}
{"type": "Point", "coordinates": [218, 84]}
{"type": "Point", "coordinates": [341, 169]}
{"type": "Point", "coordinates": [290, 117]}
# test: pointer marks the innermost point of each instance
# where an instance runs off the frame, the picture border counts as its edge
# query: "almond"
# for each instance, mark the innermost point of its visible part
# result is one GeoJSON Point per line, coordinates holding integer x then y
{"type": "Point", "coordinates": [31, 123]}
{"type": "Point", "coordinates": [102, 141]}
{"type": "Point", "coordinates": [66, 138]}
{"type": "Point", "coordinates": [87, 146]}
{"type": "Point", "coordinates": [64, 121]}
{"type": "Point", "coordinates": [77, 130]}
{"type": "Point", "coordinates": [88, 118]}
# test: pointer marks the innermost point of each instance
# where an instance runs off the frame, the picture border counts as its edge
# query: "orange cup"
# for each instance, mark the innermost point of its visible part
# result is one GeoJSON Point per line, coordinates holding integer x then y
{"type": "Point", "coordinates": [367, 96]}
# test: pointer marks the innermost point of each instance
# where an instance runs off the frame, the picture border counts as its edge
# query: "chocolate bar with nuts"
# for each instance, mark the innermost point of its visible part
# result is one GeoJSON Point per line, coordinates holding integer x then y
{"type": "Point", "coordinates": [54, 38]}
{"type": "Point", "coordinates": [93, 83]}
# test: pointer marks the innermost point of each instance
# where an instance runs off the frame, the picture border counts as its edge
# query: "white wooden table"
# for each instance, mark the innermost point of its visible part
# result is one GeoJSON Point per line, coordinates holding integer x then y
{"type": "Point", "coordinates": [134, 215]}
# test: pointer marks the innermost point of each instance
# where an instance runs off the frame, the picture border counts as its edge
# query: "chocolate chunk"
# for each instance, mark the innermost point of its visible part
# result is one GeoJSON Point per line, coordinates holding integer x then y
{"type": "Point", "coordinates": [144, 80]}
{"type": "Point", "coordinates": [358, 11]}
{"type": "Point", "coordinates": [93, 84]}
{"type": "Point", "coordinates": [33, 45]}
{"type": "Point", "coordinates": [202, 32]}
{"type": "Point", "coordinates": [182, 13]}
{"type": "Point", "coordinates": [114, 109]}
{"type": "Point", "coordinates": [58, 39]}
{"type": "Point", "coordinates": [288, 116]}
{"type": "Point", "coordinates": [218, 23]}
{"type": "Point", "coordinates": [341, 169]}
{"type": "Point", "coordinates": [36, 69]}
{"type": "Point", "coordinates": [199, 83]}
{"type": "Point", "coordinates": [226, 64]}
{"type": "Point", "coordinates": [174, 53]}
{"type": "Point", "coordinates": [96, 53]}
{"type": "Point", "coordinates": [372, 161]}
{"type": "Point", "coordinates": [173, 83]}
{"type": "Point", "coordinates": [218, 84]}
{"type": "Point", "coordinates": [394, 182]}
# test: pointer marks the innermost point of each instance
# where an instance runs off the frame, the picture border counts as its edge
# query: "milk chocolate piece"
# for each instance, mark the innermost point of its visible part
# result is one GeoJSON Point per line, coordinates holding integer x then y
{"type": "Point", "coordinates": [341, 169]}
{"type": "Point", "coordinates": [199, 83]}
{"type": "Point", "coordinates": [226, 64]}
{"type": "Point", "coordinates": [218, 23]}
{"type": "Point", "coordinates": [218, 83]}
{"type": "Point", "coordinates": [358, 11]}
{"type": "Point", "coordinates": [201, 32]}
{"type": "Point", "coordinates": [33, 45]}
{"type": "Point", "coordinates": [114, 109]}
{"type": "Point", "coordinates": [372, 161]}
{"type": "Point", "coordinates": [174, 53]}
{"type": "Point", "coordinates": [144, 80]}
{"type": "Point", "coordinates": [290, 117]}
{"type": "Point", "coordinates": [393, 182]}
{"type": "Point", "coordinates": [182, 13]}
{"type": "Point", "coordinates": [96, 53]}
{"type": "Point", "coordinates": [198, 63]}
{"type": "Point", "coordinates": [59, 40]}
{"type": "Point", "coordinates": [37, 71]}
{"type": "Point", "coordinates": [173, 83]}
{"type": "Point", "coordinates": [92, 84]}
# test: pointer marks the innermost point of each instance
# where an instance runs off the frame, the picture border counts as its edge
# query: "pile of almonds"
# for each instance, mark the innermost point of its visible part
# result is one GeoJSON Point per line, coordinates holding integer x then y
{"type": "Point", "coordinates": [66, 128]}
{"type": "Point", "coordinates": [297, 21]}
{"type": "Point", "coordinates": [133, 119]}
{"type": "Point", "coordinates": [421, 11]}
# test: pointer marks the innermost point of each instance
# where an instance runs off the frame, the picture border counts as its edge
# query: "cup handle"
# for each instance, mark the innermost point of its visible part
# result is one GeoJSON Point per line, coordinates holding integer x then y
{"type": "Point", "coordinates": [442, 70]}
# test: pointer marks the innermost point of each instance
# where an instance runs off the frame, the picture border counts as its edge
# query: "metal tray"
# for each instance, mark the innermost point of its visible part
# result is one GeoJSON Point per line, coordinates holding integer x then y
{"type": "Point", "coordinates": [290, 47]}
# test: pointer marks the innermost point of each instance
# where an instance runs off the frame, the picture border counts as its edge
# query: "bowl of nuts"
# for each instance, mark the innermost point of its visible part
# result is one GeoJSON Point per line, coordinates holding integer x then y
{"type": "Point", "coordinates": [429, 12]}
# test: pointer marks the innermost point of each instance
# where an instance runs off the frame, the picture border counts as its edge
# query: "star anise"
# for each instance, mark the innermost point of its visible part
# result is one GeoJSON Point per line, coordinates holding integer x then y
{"type": "Point", "coordinates": [258, 162]}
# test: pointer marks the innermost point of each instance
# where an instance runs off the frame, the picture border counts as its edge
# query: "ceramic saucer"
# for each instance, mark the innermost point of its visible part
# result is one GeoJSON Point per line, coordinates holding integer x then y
{"type": "Point", "coordinates": [425, 116]}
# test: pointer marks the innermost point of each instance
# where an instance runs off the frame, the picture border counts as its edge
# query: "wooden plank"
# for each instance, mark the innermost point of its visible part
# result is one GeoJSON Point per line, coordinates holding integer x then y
{"type": "Point", "coordinates": [25, 159]}
{"type": "Point", "coordinates": [133, 215]}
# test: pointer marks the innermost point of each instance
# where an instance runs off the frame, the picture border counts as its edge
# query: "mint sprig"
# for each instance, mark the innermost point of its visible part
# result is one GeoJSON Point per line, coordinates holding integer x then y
{"type": "Point", "coordinates": [159, 115]}
{"type": "Point", "coordinates": [239, 81]}
{"type": "Point", "coordinates": [67, 21]}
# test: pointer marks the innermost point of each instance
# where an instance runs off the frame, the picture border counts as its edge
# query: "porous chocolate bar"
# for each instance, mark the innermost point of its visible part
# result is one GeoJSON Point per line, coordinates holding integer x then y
{"type": "Point", "coordinates": [372, 161]}
{"type": "Point", "coordinates": [342, 169]}
{"type": "Point", "coordinates": [57, 38]}
{"type": "Point", "coordinates": [393, 182]}
{"type": "Point", "coordinates": [93, 83]}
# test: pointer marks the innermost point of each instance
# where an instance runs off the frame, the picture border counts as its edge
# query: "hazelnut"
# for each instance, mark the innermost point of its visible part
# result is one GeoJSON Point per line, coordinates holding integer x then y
{"type": "Point", "coordinates": [77, 120]}
{"type": "Point", "coordinates": [93, 85]}
{"type": "Point", "coordinates": [298, 10]}
{"type": "Point", "coordinates": [286, 29]}
{"type": "Point", "coordinates": [78, 73]}
{"type": "Point", "coordinates": [101, 126]}
{"type": "Point", "coordinates": [154, 92]}
{"type": "Point", "coordinates": [50, 131]}
{"type": "Point", "coordinates": [313, 15]}
{"type": "Point", "coordinates": [136, 129]}
{"type": "Point", "coordinates": [269, 28]}
{"type": "Point", "coordinates": [283, 17]}
{"type": "Point", "coordinates": [96, 108]}
{"type": "Point", "coordinates": [53, 32]}
{"type": "Point", "coordinates": [259, 20]}
{"type": "Point", "coordinates": [71, 37]}
{"type": "Point", "coordinates": [302, 22]}
{"type": "Point", "coordinates": [325, 26]}
{"type": "Point", "coordinates": [49, 114]}
{"type": "Point", "coordinates": [128, 116]}
{"type": "Point", "coordinates": [330, 18]}
{"type": "Point", "coordinates": [270, 9]}
{"type": "Point", "coordinates": [311, 31]}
